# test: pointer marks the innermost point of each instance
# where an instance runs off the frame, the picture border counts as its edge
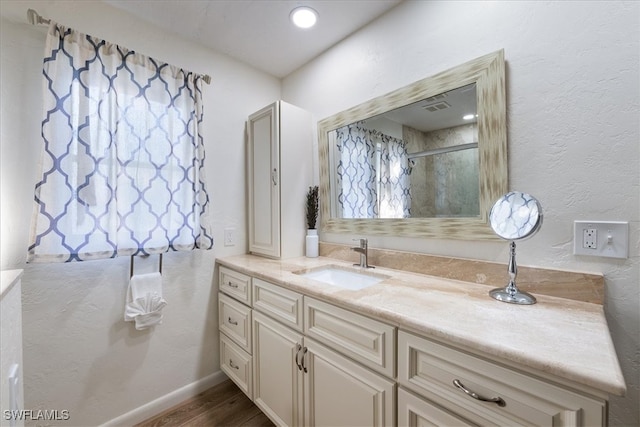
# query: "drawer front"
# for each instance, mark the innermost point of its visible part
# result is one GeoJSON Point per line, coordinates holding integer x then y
{"type": "Point", "coordinates": [368, 341]}
{"type": "Point", "coordinates": [235, 284]}
{"type": "Point", "coordinates": [235, 321]}
{"type": "Point", "coordinates": [281, 304]}
{"type": "Point", "coordinates": [430, 369]}
{"type": "Point", "coordinates": [237, 364]}
{"type": "Point", "coordinates": [414, 411]}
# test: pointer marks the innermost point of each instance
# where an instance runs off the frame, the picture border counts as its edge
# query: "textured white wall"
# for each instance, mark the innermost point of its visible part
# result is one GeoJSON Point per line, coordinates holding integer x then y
{"type": "Point", "coordinates": [573, 125]}
{"type": "Point", "coordinates": [79, 355]}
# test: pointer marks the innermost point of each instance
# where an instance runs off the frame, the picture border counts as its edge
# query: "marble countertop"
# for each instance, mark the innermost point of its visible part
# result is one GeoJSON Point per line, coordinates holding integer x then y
{"type": "Point", "coordinates": [555, 337]}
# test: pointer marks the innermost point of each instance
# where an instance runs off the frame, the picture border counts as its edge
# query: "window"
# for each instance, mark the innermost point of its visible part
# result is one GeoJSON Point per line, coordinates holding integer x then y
{"type": "Point", "coordinates": [123, 154]}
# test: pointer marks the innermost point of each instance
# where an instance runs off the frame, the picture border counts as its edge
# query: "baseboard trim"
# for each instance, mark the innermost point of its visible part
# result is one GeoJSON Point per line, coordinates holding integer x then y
{"type": "Point", "coordinates": [167, 401]}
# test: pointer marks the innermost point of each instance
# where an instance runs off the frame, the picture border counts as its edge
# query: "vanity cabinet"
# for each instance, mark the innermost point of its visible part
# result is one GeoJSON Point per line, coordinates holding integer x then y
{"type": "Point", "coordinates": [334, 372]}
{"type": "Point", "coordinates": [495, 394]}
{"type": "Point", "coordinates": [279, 167]}
{"type": "Point", "coordinates": [235, 322]}
{"type": "Point", "coordinates": [299, 381]}
{"type": "Point", "coordinates": [305, 361]}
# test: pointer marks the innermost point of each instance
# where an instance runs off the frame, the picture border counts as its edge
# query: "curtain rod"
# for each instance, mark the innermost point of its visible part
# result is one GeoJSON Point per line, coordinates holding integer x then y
{"type": "Point", "coordinates": [35, 19]}
{"type": "Point", "coordinates": [444, 150]}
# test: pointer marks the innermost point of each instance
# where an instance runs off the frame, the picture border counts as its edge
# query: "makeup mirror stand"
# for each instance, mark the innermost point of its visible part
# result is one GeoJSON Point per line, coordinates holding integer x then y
{"type": "Point", "coordinates": [515, 216]}
{"type": "Point", "coordinates": [511, 293]}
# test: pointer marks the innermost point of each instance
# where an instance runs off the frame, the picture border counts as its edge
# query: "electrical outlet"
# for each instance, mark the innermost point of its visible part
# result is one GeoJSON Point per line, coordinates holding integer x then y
{"type": "Point", "coordinates": [229, 236]}
{"type": "Point", "coordinates": [608, 239]}
{"type": "Point", "coordinates": [590, 238]}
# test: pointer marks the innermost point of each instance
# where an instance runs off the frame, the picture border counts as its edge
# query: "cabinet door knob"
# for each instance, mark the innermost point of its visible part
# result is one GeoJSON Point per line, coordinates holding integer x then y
{"type": "Point", "coordinates": [497, 400]}
{"type": "Point", "coordinates": [233, 322]}
{"type": "Point", "coordinates": [232, 285]}
{"type": "Point", "coordinates": [274, 176]}
{"type": "Point", "coordinates": [234, 366]}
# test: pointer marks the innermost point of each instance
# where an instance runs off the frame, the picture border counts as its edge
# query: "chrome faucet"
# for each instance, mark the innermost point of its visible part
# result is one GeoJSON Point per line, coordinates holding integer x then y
{"type": "Point", "coordinates": [362, 250]}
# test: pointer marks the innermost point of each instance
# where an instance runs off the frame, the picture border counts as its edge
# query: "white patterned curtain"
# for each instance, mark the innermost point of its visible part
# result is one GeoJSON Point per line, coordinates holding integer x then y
{"type": "Point", "coordinates": [395, 185]}
{"type": "Point", "coordinates": [356, 181]}
{"type": "Point", "coordinates": [123, 155]}
{"type": "Point", "coordinates": [373, 174]}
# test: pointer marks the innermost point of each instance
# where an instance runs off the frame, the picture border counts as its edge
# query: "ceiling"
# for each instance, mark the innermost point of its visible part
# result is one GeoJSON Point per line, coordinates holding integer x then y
{"type": "Point", "coordinates": [259, 32]}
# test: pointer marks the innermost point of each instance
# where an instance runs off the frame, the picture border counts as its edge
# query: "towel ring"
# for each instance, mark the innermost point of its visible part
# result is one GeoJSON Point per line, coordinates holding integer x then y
{"type": "Point", "coordinates": [144, 256]}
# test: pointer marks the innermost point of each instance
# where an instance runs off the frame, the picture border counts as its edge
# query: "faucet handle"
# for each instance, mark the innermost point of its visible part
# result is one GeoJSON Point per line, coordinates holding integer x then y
{"type": "Point", "coordinates": [363, 242]}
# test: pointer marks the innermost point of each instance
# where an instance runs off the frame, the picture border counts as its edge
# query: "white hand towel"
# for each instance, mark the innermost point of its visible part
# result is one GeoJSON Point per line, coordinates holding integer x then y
{"type": "Point", "coordinates": [144, 300]}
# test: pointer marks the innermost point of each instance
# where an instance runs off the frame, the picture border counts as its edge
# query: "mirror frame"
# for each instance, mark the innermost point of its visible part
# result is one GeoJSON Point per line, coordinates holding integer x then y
{"type": "Point", "coordinates": [488, 72]}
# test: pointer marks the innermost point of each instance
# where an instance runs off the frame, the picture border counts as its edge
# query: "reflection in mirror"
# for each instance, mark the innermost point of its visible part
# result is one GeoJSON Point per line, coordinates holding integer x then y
{"type": "Point", "coordinates": [515, 216]}
{"type": "Point", "coordinates": [426, 160]}
{"type": "Point", "coordinates": [417, 161]}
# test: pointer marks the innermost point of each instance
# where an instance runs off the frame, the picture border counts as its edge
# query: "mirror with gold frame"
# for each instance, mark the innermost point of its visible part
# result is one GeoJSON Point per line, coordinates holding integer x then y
{"type": "Point", "coordinates": [486, 75]}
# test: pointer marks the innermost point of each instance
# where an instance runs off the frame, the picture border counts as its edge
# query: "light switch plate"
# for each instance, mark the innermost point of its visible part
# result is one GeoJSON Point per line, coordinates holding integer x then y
{"type": "Point", "coordinates": [229, 236]}
{"type": "Point", "coordinates": [608, 239]}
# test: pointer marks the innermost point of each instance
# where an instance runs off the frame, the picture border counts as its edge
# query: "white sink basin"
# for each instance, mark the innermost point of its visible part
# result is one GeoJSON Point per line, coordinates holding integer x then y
{"type": "Point", "coordinates": [343, 277]}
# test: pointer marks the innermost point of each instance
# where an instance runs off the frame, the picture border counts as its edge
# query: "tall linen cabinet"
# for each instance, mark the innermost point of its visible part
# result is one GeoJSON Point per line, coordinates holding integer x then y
{"type": "Point", "coordinates": [279, 173]}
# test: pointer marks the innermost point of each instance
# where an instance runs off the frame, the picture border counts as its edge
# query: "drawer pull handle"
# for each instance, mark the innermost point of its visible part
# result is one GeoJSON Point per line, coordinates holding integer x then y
{"type": "Point", "coordinates": [232, 285]}
{"type": "Point", "coordinates": [497, 400]}
{"type": "Point", "coordinates": [234, 366]}
{"type": "Point", "coordinates": [298, 348]}
{"type": "Point", "coordinates": [233, 322]}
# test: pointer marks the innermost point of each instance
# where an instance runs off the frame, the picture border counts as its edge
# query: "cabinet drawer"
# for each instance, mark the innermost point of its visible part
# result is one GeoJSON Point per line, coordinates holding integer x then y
{"type": "Point", "coordinates": [414, 411]}
{"type": "Point", "coordinates": [430, 369]}
{"type": "Point", "coordinates": [237, 364]}
{"type": "Point", "coordinates": [279, 303]}
{"type": "Point", "coordinates": [368, 341]}
{"type": "Point", "coordinates": [235, 321]}
{"type": "Point", "coordinates": [235, 284]}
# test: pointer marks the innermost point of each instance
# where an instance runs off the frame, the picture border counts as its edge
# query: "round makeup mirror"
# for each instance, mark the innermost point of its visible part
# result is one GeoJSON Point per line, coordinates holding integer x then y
{"type": "Point", "coordinates": [515, 216]}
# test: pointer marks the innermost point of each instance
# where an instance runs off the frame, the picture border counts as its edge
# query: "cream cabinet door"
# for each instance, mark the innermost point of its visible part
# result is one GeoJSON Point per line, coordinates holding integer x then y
{"type": "Point", "coordinates": [263, 173]}
{"type": "Point", "coordinates": [340, 392]}
{"type": "Point", "coordinates": [277, 378]}
{"type": "Point", "coordinates": [279, 173]}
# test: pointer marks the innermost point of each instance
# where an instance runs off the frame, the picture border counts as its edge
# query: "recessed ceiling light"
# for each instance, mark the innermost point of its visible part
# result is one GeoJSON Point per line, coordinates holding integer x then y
{"type": "Point", "coordinates": [304, 17]}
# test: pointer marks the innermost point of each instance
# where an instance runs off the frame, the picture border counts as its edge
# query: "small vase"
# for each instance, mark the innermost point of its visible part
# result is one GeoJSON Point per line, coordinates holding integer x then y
{"type": "Point", "coordinates": [312, 243]}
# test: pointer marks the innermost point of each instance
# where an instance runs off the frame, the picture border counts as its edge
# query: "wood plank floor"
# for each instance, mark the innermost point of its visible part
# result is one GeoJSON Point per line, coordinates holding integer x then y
{"type": "Point", "coordinates": [222, 405]}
